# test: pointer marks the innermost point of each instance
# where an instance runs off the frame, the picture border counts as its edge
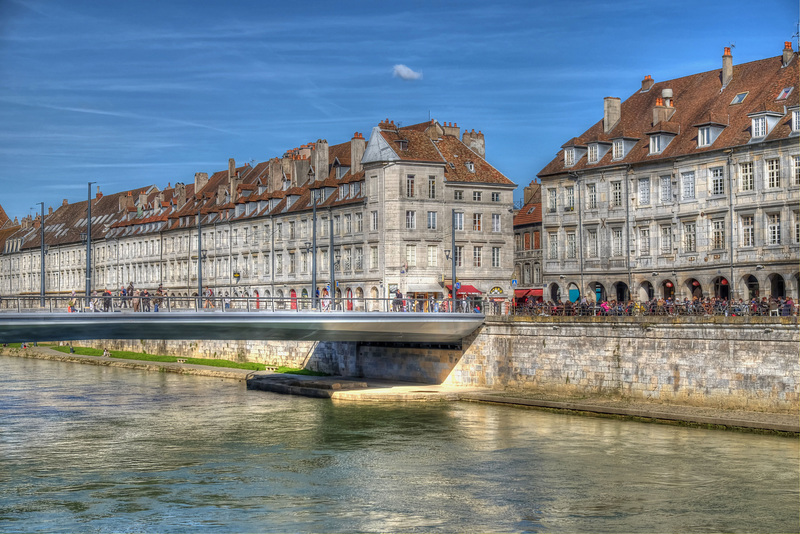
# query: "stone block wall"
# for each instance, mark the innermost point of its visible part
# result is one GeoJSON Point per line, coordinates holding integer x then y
{"type": "Point", "coordinates": [731, 363]}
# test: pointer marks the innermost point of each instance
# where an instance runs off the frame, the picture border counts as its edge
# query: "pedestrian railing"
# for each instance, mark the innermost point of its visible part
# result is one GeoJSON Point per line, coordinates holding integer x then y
{"type": "Point", "coordinates": [775, 308]}
{"type": "Point", "coordinates": [215, 304]}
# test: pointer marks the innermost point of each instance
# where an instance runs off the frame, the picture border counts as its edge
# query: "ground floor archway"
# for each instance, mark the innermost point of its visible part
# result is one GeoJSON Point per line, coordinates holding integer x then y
{"type": "Point", "coordinates": [721, 288]}
{"type": "Point", "coordinates": [777, 285]}
{"type": "Point", "coordinates": [621, 292]}
{"type": "Point", "coordinates": [668, 289]}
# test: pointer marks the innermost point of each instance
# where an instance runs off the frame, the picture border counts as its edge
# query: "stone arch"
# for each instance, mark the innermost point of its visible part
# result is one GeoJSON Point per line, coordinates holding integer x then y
{"type": "Point", "coordinates": [777, 285]}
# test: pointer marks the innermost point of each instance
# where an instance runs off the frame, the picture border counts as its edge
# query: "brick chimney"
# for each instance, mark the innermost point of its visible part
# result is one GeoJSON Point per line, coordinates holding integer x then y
{"type": "Point", "coordinates": [788, 53]}
{"type": "Point", "coordinates": [612, 111]}
{"type": "Point", "coordinates": [99, 195]}
{"type": "Point", "coordinates": [661, 111]}
{"type": "Point", "coordinates": [64, 203]}
{"type": "Point", "coordinates": [357, 147]}
{"type": "Point", "coordinates": [727, 67]}
{"type": "Point", "coordinates": [647, 83]}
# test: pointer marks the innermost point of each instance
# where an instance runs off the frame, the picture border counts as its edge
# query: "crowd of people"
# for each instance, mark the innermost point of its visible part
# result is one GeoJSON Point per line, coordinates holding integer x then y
{"type": "Point", "coordinates": [706, 306]}
{"type": "Point", "coordinates": [137, 300]}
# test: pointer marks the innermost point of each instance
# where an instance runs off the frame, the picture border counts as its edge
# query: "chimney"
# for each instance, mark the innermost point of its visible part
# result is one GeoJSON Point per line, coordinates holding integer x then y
{"type": "Point", "coordinates": [661, 112]}
{"type": "Point", "coordinates": [357, 147]}
{"type": "Point", "coordinates": [475, 141]}
{"type": "Point", "coordinates": [99, 195]}
{"type": "Point", "coordinates": [612, 110]}
{"type": "Point", "coordinates": [452, 129]}
{"type": "Point", "coordinates": [231, 168]}
{"type": "Point", "coordinates": [727, 67]}
{"type": "Point", "coordinates": [788, 53]}
{"type": "Point", "coordinates": [49, 210]}
{"type": "Point", "coordinates": [666, 94]}
{"type": "Point", "coordinates": [64, 202]}
{"type": "Point", "coordinates": [200, 181]}
{"type": "Point", "coordinates": [320, 160]}
{"type": "Point", "coordinates": [647, 83]}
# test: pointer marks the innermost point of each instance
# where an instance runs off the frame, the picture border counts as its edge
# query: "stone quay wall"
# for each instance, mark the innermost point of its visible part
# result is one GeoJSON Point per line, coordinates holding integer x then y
{"type": "Point", "coordinates": [723, 362]}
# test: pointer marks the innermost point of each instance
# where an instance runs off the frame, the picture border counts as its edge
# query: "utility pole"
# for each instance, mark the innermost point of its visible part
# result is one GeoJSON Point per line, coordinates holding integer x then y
{"type": "Point", "coordinates": [88, 243]}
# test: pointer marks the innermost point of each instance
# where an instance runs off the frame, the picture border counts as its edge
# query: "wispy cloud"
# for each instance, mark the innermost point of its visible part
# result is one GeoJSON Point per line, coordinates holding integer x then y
{"type": "Point", "coordinates": [405, 73]}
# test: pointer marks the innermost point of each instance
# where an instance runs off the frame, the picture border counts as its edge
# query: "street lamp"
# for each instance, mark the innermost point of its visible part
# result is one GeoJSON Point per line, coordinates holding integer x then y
{"type": "Point", "coordinates": [88, 242]}
{"type": "Point", "coordinates": [41, 224]}
{"type": "Point", "coordinates": [313, 241]}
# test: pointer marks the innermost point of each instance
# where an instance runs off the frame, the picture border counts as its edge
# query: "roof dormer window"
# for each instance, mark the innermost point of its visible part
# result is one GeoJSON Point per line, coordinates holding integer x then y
{"type": "Point", "coordinates": [569, 157]}
{"type": "Point", "coordinates": [593, 153]}
{"type": "Point", "coordinates": [795, 121]}
{"type": "Point", "coordinates": [618, 151]}
{"type": "Point", "coordinates": [707, 133]}
{"type": "Point", "coordinates": [656, 144]}
{"type": "Point", "coordinates": [470, 166]}
{"type": "Point", "coordinates": [762, 123]}
{"type": "Point", "coordinates": [739, 98]}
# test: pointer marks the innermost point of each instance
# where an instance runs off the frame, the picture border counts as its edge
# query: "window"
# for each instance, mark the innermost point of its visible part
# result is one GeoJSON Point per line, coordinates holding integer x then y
{"type": "Point", "coordinates": [459, 256]}
{"type": "Point", "coordinates": [470, 166]}
{"type": "Point", "coordinates": [458, 223]}
{"type": "Point", "coordinates": [431, 187]}
{"type": "Point", "coordinates": [572, 249]}
{"type": "Point", "coordinates": [616, 194]}
{"type": "Point", "coordinates": [411, 220]}
{"type": "Point", "coordinates": [337, 225]}
{"type": "Point", "coordinates": [774, 229]}
{"type": "Point", "coordinates": [704, 136]}
{"type": "Point", "coordinates": [495, 197]}
{"type": "Point", "coordinates": [748, 231]}
{"type": "Point", "coordinates": [618, 149]}
{"type": "Point", "coordinates": [784, 94]}
{"type": "Point", "coordinates": [411, 255]}
{"type": "Point", "coordinates": [292, 263]}
{"type": "Point", "coordinates": [591, 243]}
{"type": "Point", "coordinates": [759, 127]}
{"type": "Point", "coordinates": [644, 191]}
{"type": "Point", "coordinates": [591, 196]}
{"type": "Point", "coordinates": [348, 224]}
{"type": "Point", "coordinates": [495, 256]}
{"type": "Point", "coordinates": [458, 195]}
{"type": "Point", "coordinates": [718, 234]}
{"type": "Point", "coordinates": [278, 263]}
{"type": "Point", "coordinates": [666, 240]}
{"type": "Point", "coordinates": [689, 237]}
{"type": "Point", "coordinates": [644, 241]}
{"type": "Point", "coordinates": [374, 221]}
{"type": "Point", "coordinates": [476, 196]}
{"type": "Point", "coordinates": [687, 185]}
{"type": "Point", "coordinates": [796, 169]}
{"type": "Point", "coordinates": [410, 186]}
{"type": "Point", "coordinates": [476, 221]}
{"type": "Point", "coordinates": [666, 189]}
{"type": "Point", "coordinates": [796, 120]}
{"type": "Point", "coordinates": [359, 223]}
{"type": "Point", "coordinates": [551, 200]}
{"type": "Point", "coordinates": [796, 227]}
{"type": "Point", "coordinates": [359, 260]}
{"type": "Point", "coordinates": [655, 144]}
{"type": "Point", "coordinates": [373, 257]}
{"type": "Point", "coordinates": [433, 255]}
{"type": "Point", "coordinates": [773, 173]}
{"type": "Point", "coordinates": [432, 220]}
{"type": "Point", "coordinates": [616, 242]}
{"type": "Point", "coordinates": [739, 98]}
{"type": "Point", "coordinates": [569, 157]}
{"type": "Point", "coordinates": [746, 180]}
{"type": "Point", "coordinates": [717, 181]}
{"type": "Point", "coordinates": [476, 256]}
{"type": "Point", "coordinates": [495, 222]}
{"type": "Point", "coordinates": [569, 198]}
{"type": "Point", "coordinates": [593, 153]}
{"type": "Point", "coordinates": [552, 242]}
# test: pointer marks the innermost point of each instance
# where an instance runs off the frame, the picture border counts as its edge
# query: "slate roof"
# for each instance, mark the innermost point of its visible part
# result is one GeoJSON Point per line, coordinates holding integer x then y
{"type": "Point", "coordinates": [697, 99]}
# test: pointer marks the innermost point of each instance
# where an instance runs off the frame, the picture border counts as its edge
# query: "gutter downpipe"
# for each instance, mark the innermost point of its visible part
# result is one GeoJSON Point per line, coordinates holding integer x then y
{"type": "Point", "coordinates": [576, 176]}
{"type": "Point", "coordinates": [627, 230]}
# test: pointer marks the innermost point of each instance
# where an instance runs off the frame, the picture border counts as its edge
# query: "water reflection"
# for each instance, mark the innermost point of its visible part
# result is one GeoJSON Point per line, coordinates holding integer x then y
{"type": "Point", "coordinates": [89, 448]}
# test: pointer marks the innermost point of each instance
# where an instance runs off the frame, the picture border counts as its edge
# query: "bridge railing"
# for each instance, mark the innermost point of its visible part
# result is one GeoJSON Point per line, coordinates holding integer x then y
{"type": "Point", "coordinates": [217, 304]}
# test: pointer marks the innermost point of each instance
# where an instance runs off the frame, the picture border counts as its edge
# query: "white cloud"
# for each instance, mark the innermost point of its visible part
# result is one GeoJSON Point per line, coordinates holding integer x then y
{"type": "Point", "coordinates": [403, 72]}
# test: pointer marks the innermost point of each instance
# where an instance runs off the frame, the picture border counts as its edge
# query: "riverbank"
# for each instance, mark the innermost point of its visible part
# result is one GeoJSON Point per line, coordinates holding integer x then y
{"type": "Point", "coordinates": [370, 390]}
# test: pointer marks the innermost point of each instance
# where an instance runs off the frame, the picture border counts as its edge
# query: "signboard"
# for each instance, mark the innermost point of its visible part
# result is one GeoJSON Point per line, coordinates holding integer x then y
{"type": "Point", "coordinates": [458, 285]}
{"type": "Point", "coordinates": [514, 282]}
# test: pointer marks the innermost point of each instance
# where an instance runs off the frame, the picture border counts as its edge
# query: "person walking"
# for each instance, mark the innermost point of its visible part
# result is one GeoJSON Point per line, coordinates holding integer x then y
{"type": "Point", "coordinates": [136, 300]}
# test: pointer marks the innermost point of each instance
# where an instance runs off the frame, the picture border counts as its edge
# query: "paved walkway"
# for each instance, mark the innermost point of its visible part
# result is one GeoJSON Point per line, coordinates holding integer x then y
{"type": "Point", "coordinates": [372, 390]}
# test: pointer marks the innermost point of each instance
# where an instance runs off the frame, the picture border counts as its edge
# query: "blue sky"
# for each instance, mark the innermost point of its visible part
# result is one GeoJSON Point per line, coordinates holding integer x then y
{"type": "Point", "coordinates": [128, 94]}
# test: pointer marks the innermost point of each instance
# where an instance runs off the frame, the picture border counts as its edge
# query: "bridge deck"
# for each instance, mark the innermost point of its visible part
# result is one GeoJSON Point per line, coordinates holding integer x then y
{"type": "Point", "coordinates": [312, 326]}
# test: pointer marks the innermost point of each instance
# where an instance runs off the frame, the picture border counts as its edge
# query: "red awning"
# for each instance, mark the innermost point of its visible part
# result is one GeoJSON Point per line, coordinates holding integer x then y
{"type": "Point", "coordinates": [520, 293]}
{"type": "Point", "coordinates": [465, 289]}
{"type": "Point", "coordinates": [537, 292]}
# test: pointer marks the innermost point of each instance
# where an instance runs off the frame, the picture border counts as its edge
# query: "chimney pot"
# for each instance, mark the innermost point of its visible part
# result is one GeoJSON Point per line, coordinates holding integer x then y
{"type": "Point", "coordinates": [788, 53]}
{"type": "Point", "coordinates": [647, 83]}
{"type": "Point", "coordinates": [787, 45]}
{"type": "Point", "coordinates": [727, 67]}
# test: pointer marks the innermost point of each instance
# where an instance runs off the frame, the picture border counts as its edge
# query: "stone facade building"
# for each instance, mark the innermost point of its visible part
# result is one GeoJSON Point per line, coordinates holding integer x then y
{"type": "Point", "coordinates": [383, 211]}
{"type": "Point", "coordinates": [689, 187]}
{"type": "Point", "coordinates": [527, 245]}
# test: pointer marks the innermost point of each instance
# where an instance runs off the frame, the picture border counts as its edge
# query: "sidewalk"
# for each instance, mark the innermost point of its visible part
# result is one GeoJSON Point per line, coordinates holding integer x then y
{"type": "Point", "coordinates": [373, 390]}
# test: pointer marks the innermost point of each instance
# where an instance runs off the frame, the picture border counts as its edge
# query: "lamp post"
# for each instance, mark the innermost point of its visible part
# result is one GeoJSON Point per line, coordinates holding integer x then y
{"type": "Point", "coordinates": [88, 242]}
{"type": "Point", "coordinates": [313, 243]}
{"type": "Point", "coordinates": [333, 263]}
{"type": "Point", "coordinates": [455, 253]}
{"type": "Point", "coordinates": [41, 284]}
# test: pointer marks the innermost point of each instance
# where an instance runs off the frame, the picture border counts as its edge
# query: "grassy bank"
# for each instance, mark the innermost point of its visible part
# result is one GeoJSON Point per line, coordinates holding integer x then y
{"type": "Point", "coordinates": [127, 355]}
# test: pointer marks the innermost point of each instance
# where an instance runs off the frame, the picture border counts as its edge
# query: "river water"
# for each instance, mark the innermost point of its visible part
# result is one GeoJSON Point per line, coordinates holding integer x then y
{"type": "Point", "coordinates": [98, 449]}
